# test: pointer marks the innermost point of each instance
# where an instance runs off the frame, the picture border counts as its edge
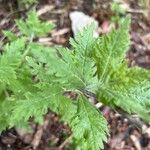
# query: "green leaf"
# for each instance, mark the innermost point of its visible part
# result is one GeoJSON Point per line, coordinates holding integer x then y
{"type": "Point", "coordinates": [10, 59]}
{"type": "Point", "coordinates": [7, 74]}
{"type": "Point", "coordinates": [111, 49]}
{"type": "Point", "coordinates": [56, 68]}
{"type": "Point", "coordinates": [83, 41]}
{"type": "Point", "coordinates": [13, 51]}
{"type": "Point", "coordinates": [10, 35]}
{"type": "Point", "coordinates": [5, 111]}
{"type": "Point", "coordinates": [33, 104]}
{"type": "Point", "coordinates": [127, 87]}
{"type": "Point", "coordinates": [33, 26]}
{"type": "Point", "coordinates": [89, 126]}
{"type": "Point", "coordinates": [36, 104]}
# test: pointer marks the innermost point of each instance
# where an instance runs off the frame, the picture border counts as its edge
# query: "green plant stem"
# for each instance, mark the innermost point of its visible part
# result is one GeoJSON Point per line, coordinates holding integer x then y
{"type": "Point", "coordinates": [6, 93]}
{"type": "Point", "coordinates": [26, 52]}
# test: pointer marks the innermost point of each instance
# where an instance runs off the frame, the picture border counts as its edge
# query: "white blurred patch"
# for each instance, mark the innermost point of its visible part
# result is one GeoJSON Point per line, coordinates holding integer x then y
{"type": "Point", "coordinates": [79, 20]}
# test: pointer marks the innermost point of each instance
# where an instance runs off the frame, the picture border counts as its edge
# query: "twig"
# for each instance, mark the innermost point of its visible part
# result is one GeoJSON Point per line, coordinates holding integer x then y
{"type": "Point", "coordinates": [135, 142]}
{"type": "Point", "coordinates": [38, 135]}
{"type": "Point", "coordinates": [65, 142]}
{"type": "Point", "coordinates": [135, 11]}
{"type": "Point", "coordinates": [44, 9]}
{"type": "Point", "coordinates": [60, 32]}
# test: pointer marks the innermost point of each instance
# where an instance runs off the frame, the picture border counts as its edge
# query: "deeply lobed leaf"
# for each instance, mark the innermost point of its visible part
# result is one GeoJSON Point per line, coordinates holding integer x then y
{"type": "Point", "coordinates": [89, 126]}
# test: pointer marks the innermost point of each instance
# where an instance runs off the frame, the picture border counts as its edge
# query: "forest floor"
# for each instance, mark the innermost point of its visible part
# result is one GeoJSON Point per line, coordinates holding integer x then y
{"type": "Point", "coordinates": [126, 132]}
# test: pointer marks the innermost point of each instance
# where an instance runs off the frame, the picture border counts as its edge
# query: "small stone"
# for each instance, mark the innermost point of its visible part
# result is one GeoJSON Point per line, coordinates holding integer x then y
{"type": "Point", "coordinates": [80, 20]}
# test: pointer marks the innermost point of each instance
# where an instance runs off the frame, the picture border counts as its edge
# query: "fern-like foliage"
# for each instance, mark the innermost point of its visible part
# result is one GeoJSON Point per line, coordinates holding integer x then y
{"type": "Point", "coordinates": [34, 78]}
{"type": "Point", "coordinates": [33, 26]}
{"type": "Point", "coordinates": [89, 126]}
{"type": "Point", "coordinates": [127, 87]}
{"type": "Point", "coordinates": [118, 84]}
{"type": "Point", "coordinates": [16, 82]}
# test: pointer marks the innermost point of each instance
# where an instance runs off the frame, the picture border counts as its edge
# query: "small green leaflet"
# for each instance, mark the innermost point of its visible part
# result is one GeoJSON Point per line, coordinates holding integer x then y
{"type": "Point", "coordinates": [89, 126]}
{"type": "Point", "coordinates": [33, 26]}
